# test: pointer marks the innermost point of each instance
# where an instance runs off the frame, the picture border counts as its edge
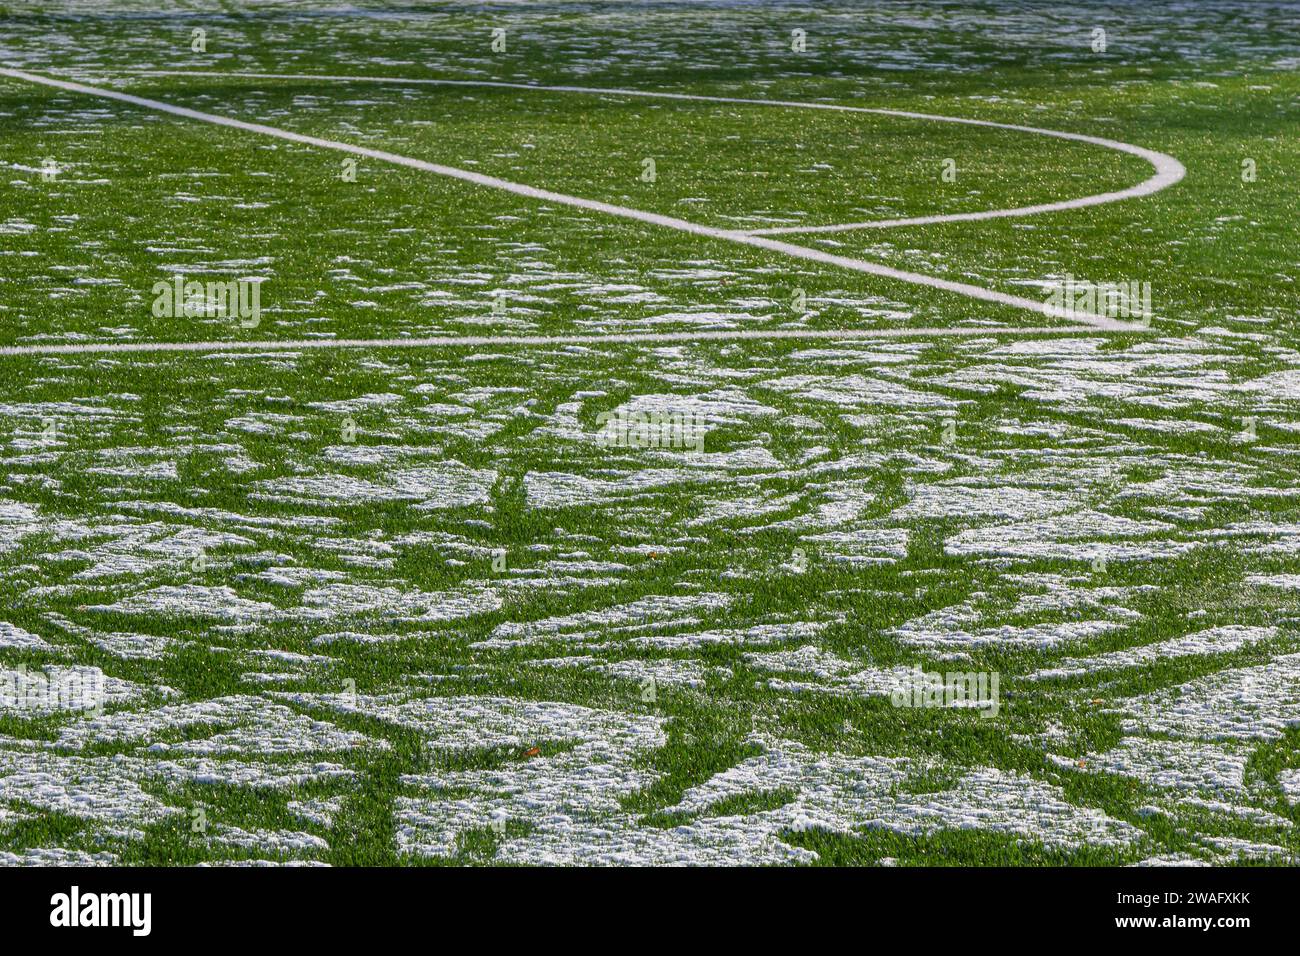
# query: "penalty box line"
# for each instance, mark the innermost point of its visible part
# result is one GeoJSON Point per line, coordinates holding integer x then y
{"type": "Point", "coordinates": [479, 179]}
{"type": "Point", "coordinates": [472, 341]}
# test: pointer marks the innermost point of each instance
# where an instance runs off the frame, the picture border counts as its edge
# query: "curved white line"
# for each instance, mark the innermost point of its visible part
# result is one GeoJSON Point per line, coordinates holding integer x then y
{"type": "Point", "coordinates": [625, 212]}
{"type": "Point", "coordinates": [1167, 169]}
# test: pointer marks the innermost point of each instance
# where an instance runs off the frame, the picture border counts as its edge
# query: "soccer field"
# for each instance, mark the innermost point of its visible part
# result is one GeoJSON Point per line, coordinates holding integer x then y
{"type": "Point", "coordinates": [662, 433]}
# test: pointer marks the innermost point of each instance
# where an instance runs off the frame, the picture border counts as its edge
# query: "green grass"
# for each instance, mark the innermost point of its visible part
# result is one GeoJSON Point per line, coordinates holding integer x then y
{"type": "Point", "coordinates": [141, 196]}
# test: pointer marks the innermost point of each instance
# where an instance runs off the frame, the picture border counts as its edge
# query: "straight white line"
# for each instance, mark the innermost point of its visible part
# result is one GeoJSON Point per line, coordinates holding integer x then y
{"type": "Point", "coordinates": [531, 192]}
{"type": "Point", "coordinates": [471, 341]}
{"type": "Point", "coordinates": [1168, 170]}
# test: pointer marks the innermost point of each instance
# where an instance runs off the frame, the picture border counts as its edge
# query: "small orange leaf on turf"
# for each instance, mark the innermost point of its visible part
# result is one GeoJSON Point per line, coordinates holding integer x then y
{"type": "Point", "coordinates": [535, 752]}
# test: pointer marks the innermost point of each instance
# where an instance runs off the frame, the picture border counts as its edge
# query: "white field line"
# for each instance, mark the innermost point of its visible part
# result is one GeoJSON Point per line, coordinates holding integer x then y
{"type": "Point", "coordinates": [772, 245]}
{"type": "Point", "coordinates": [472, 341]}
{"type": "Point", "coordinates": [1167, 169]}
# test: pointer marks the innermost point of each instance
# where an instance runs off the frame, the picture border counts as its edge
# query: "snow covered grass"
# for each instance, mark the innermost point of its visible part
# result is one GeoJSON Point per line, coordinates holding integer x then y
{"type": "Point", "coordinates": [408, 607]}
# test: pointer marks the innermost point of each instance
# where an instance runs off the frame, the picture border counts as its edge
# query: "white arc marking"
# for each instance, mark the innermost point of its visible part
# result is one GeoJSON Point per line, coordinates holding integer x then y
{"type": "Point", "coordinates": [531, 192]}
{"type": "Point", "coordinates": [1167, 169]}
